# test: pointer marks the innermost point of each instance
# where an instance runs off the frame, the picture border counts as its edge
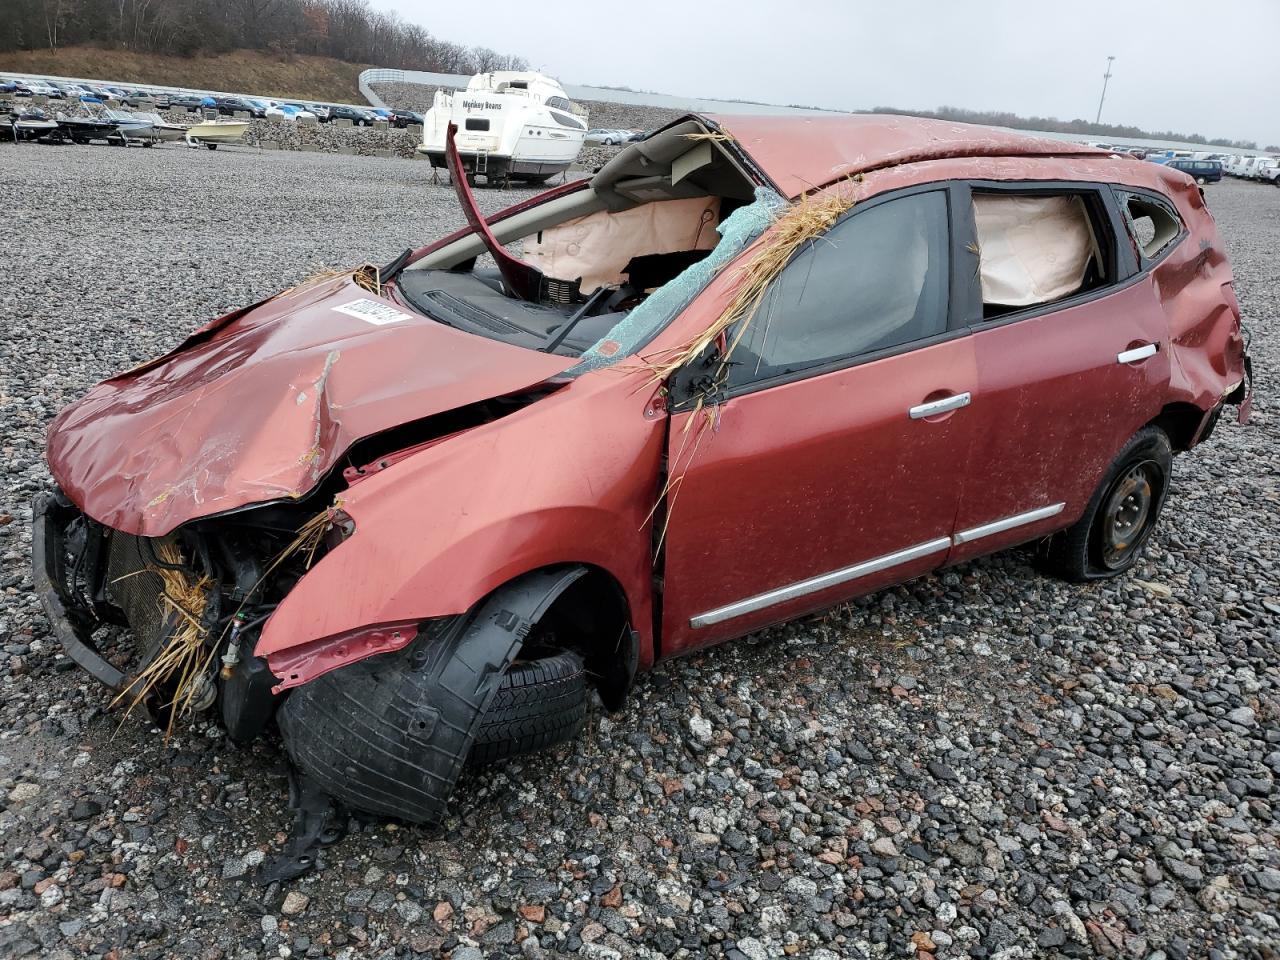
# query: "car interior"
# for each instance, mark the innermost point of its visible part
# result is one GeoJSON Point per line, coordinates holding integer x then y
{"type": "Point", "coordinates": [650, 213]}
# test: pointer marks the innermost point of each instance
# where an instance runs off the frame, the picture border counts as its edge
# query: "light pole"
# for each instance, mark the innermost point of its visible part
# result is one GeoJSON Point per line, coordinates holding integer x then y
{"type": "Point", "coordinates": [1105, 77]}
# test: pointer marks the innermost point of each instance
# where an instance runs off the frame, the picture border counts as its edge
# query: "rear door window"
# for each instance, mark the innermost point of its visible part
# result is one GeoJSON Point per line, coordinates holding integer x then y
{"type": "Point", "coordinates": [877, 280]}
{"type": "Point", "coordinates": [1153, 224]}
{"type": "Point", "coordinates": [1036, 248]}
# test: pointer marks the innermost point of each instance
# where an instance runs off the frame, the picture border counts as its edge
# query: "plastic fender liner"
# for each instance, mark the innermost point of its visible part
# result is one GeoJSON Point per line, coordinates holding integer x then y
{"type": "Point", "coordinates": [390, 734]}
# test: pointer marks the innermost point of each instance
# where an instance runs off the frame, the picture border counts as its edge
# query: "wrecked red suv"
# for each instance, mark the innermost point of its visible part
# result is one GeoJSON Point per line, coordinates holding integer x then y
{"type": "Point", "coordinates": [752, 367]}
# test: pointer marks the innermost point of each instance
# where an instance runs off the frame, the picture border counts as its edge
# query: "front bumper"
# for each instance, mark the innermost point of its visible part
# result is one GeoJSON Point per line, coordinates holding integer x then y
{"type": "Point", "coordinates": [71, 619]}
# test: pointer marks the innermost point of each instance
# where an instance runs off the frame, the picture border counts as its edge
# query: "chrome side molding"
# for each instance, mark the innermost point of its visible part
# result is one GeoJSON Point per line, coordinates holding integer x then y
{"type": "Point", "coordinates": [821, 582]}
{"type": "Point", "coordinates": [1007, 523]}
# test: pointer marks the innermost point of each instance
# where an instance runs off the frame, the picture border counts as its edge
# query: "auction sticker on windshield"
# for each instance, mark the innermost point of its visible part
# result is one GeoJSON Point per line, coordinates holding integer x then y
{"type": "Point", "coordinates": [371, 311]}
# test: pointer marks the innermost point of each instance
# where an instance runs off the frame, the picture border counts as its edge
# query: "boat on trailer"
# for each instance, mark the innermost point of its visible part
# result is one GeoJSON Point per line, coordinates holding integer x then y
{"type": "Point", "coordinates": [512, 125]}
{"type": "Point", "coordinates": [210, 133]}
{"type": "Point", "coordinates": [30, 124]}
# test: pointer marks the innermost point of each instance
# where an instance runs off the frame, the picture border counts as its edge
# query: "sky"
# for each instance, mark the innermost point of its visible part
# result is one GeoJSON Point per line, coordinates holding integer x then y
{"type": "Point", "coordinates": [1188, 65]}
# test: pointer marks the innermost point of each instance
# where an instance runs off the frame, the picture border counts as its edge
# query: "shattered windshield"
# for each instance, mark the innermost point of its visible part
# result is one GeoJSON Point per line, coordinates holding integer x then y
{"type": "Point", "coordinates": [632, 274]}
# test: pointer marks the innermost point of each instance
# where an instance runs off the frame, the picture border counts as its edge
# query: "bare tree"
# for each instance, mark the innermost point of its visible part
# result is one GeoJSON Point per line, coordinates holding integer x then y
{"type": "Point", "coordinates": [344, 29]}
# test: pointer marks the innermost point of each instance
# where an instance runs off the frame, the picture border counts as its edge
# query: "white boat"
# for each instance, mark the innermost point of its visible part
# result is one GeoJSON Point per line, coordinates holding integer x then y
{"type": "Point", "coordinates": [515, 125]}
{"type": "Point", "coordinates": [210, 133]}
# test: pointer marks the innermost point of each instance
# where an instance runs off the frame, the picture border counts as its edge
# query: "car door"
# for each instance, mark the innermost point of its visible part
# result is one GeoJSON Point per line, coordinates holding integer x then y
{"type": "Point", "coordinates": [1062, 385]}
{"type": "Point", "coordinates": [828, 466]}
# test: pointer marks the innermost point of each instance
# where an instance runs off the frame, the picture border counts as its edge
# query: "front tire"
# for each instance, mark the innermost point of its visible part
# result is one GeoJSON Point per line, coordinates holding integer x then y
{"type": "Point", "coordinates": [1122, 513]}
{"type": "Point", "coordinates": [540, 703]}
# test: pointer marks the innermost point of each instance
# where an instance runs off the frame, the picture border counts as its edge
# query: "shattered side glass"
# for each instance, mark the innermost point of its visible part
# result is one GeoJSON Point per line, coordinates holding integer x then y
{"type": "Point", "coordinates": [737, 232]}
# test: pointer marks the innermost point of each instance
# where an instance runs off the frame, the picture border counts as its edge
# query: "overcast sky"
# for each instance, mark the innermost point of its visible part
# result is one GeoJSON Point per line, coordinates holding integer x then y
{"type": "Point", "coordinates": [1189, 65]}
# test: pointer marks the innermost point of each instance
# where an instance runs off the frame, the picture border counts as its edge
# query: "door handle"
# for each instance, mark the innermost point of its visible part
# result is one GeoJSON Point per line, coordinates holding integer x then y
{"type": "Point", "coordinates": [935, 407]}
{"type": "Point", "coordinates": [1138, 353]}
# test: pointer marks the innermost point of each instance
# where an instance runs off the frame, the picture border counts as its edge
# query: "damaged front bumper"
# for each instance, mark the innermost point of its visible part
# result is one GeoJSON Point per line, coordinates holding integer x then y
{"type": "Point", "coordinates": [90, 578]}
{"type": "Point", "coordinates": [71, 615]}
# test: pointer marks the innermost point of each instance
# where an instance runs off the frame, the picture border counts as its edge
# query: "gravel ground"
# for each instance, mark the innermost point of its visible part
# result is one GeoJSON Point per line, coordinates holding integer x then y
{"type": "Point", "coordinates": [982, 763]}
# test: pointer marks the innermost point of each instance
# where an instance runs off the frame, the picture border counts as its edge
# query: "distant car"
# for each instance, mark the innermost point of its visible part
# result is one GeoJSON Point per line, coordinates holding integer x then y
{"type": "Point", "coordinates": [1268, 171]}
{"type": "Point", "coordinates": [357, 115]}
{"type": "Point", "coordinates": [7, 85]}
{"type": "Point", "coordinates": [74, 90]}
{"type": "Point", "coordinates": [304, 108]}
{"type": "Point", "coordinates": [288, 111]}
{"type": "Point", "coordinates": [230, 105]}
{"type": "Point", "coordinates": [39, 88]}
{"type": "Point", "coordinates": [607, 136]}
{"type": "Point", "coordinates": [1244, 168]}
{"type": "Point", "coordinates": [405, 118]}
{"type": "Point", "coordinates": [190, 101]}
{"type": "Point", "coordinates": [138, 98]}
{"type": "Point", "coordinates": [1204, 171]}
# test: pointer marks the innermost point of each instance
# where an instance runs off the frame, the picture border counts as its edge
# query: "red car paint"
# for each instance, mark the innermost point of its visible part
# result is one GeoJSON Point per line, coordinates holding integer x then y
{"type": "Point", "coordinates": [794, 481]}
{"type": "Point", "coordinates": [263, 407]}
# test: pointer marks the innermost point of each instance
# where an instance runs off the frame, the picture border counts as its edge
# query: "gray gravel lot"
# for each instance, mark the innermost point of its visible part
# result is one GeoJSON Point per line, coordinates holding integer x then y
{"type": "Point", "coordinates": [982, 763]}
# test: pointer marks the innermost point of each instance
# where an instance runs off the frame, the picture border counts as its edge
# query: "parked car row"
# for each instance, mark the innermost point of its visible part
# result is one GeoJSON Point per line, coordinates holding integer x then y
{"type": "Point", "coordinates": [224, 104]}
{"type": "Point", "coordinates": [1266, 169]}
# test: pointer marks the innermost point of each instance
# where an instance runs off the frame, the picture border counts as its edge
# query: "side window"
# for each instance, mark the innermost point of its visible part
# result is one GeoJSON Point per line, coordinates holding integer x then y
{"type": "Point", "coordinates": [878, 279]}
{"type": "Point", "coordinates": [1152, 223]}
{"type": "Point", "coordinates": [1039, 248]}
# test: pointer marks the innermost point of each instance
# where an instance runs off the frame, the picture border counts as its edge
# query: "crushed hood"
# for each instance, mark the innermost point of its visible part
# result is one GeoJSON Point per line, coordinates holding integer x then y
{"type": "Point", "coordinates": [260, 405]}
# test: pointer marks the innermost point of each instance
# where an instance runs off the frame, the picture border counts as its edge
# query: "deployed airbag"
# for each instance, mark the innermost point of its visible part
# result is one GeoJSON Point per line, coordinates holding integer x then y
{"type": "Point", "coordinates": [597, 247]}
{"type": "Point", "coordinates": [1033, 249]}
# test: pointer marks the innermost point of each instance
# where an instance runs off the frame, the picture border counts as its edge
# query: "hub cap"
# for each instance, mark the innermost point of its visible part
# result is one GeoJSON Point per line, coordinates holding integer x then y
{"type": "Point", "coordinates": [1128, 512]}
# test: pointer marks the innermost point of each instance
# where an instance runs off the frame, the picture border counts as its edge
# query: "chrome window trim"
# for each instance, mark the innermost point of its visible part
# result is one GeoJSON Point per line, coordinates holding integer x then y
{"type": "Point", "coordinates": [834, 578]}
{"type": "Point", "coordinates": [1007, 523]}
{"type": "Point", "coordinates": [821, 582]}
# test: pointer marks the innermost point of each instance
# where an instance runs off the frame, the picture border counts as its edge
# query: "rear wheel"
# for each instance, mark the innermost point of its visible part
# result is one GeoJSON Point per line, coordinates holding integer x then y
{"type": "Point", "coordinates": [212, 146]}
{"type": "Point", "coordinates": [1120, 517]}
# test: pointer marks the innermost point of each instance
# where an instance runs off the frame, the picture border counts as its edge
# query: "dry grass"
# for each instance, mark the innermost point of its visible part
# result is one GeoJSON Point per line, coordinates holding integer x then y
{"type": "Point", "coordinates": [803, 223]}
{"type": "Point", "coordinates": [310, 535]}
{"type": "Point", "coordinates": [185, 657]}
{"type": "Point", "coordinates": [800, 225]}
{"type": "Point", "coordinates": [715, 137]}
{"type": "Point", "coordinates": [367, 276]}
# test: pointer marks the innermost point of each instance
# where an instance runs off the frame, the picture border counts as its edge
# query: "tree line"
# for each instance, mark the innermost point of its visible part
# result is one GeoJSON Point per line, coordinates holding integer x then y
{"type": "Point", "coordinates": [1103, 131]}
{"type": "Point", "coordinates": [347, 30]}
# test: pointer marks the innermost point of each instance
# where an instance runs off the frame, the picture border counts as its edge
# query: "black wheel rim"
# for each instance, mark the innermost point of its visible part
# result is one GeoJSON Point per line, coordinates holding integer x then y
{"type": "Point", "coordinates": [1129, 512]}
